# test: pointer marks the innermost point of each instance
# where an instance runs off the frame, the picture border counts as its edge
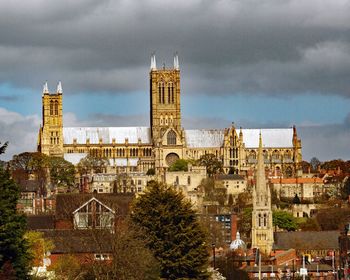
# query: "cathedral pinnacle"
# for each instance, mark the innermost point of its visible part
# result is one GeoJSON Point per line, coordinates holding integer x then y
{"type": "Point", "coordinates": [59, 87]}
{"type": "Point", "coordinates": [176, 62]}
{"type": "Point", "coordinates": [45, 88]}
{"type": "Point", "coordinates": [153, 62]}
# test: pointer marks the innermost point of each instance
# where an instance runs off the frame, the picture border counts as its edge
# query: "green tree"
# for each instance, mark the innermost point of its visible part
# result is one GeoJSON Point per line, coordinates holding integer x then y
{"type": "Point", "coordinates": [62, 172]}
{"type": "Point", "coordinates": [25, 164]}
{"type": "Point", "coordinates": [245, 222]}
{"type": "Point", "coordinates": [179, 165]}
{"type": "Point", "coordinates": [14, 259]}
{"type": "Point", "coordinates": [92, 164]}
{"type": "Point", "coordinates": [212, 163]}
{"type": "Point", "coordinates": [284, 220]}
{"type": "Point", "coordinates": [173, 232]}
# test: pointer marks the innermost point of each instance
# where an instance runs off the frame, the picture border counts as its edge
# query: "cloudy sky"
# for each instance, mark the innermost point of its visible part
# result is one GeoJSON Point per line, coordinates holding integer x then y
{"type": "Point", "coordinates": [258, 63]}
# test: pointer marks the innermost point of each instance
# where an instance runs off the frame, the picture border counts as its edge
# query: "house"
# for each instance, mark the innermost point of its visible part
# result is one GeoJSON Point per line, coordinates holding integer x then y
{"type": "Point", "coordinates": [83, 225]}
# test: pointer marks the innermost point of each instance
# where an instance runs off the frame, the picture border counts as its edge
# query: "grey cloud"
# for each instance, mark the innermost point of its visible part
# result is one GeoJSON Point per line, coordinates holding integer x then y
{"type": "Point", "coordinates": [20, 131]}
{"type": "Point", "coordinates": [225, 47]}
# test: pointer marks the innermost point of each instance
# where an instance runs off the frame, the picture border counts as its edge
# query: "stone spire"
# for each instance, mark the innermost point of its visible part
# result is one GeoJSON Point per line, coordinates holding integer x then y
{"type": "Point", "coordinates": [59, 87]}
{"type": "Point", "coordinates": [260, 171]}
{"type": "Point", "coordinates": [176, 62]}
{"type": "Point", "coordinates": [153, 62]}
{"type": "Point", "coordinates": [45, 88]}
{"type": "Point", "coordinates": [262, 228]}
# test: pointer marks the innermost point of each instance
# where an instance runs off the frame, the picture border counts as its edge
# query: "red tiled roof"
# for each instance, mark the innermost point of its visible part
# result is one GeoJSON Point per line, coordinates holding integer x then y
{"type": "Point", "coordinates": [295, 180]}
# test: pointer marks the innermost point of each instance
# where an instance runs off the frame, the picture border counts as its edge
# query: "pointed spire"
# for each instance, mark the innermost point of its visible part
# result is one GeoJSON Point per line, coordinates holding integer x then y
{"type": "Point", "coordinates": [59, 87]}
{"type": "Point", "coordinates": [153, 62]}
{"type": "Point", "coordinates": [260, 171]}
{"type": "Point", "coordinates": [45, 88]}
{"type": "Point", "coordinates": [176, 62]}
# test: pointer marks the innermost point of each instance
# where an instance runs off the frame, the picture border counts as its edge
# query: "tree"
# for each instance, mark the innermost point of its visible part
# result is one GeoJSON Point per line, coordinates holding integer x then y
{"type": "Point", "coordinates": [92, 164]}
{"type": "Point", "coordinates": [308, 224]}
{"type": "Point", "coordinates": [130, 259]}
{"type": "Point", "coordinates": [173, 233]}
{"type": "Point", "coordinates": [214, 191]}
{"type": "Point", "coordinates": [333, 218]}
{"type": "Point", "coordinates": [179, 165]}
{"type": "Point", "coordinates": [284, 220]}
{"type": "Point", "coordinates": [38, 247]}
{"type": "Point", "coordinates": [245, 222]}
{"type": "Point", "coordinates": [14, 260]}
{"type": "Point", "coordinates": [62, 172]}
{"type": "Point", "coordinates": [315, 163]}
{"type": "Point", "coordinates": [211, 162]}
{"type": "Point", "coordinates": [3, 147]}
{"type": "Point", "coordinates": [151, 171]}
{"type": "Point", "coordinates": [67, 267]}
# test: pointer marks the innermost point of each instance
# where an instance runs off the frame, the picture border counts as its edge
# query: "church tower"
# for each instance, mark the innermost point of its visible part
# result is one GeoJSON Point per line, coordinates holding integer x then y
{"type": "Point", "coordinates": [51, 132]}
{"type": "Point", "coordinates": [262, 228]}
{"type": "Point", "coordinates": [165, 99]}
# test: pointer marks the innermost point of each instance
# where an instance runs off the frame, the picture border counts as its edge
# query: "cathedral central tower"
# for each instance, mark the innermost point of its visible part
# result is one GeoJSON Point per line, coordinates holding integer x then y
{"type": "Point", "coordinates": [165, 98]}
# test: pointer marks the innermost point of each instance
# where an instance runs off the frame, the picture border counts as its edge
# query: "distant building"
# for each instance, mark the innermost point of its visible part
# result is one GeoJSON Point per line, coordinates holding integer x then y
{"type": "Point", "coordinates": [307, 189]}
{"type": "Point", "coordinates": [165, 141]}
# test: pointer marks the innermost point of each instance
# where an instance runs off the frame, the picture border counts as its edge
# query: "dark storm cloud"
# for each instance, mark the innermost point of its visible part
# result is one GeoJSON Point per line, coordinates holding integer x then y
{"type": "Point", "coordinates": [271, 47]}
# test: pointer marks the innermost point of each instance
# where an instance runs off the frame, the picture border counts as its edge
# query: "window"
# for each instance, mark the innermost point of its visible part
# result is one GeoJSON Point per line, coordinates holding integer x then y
{"type": "Point", "coordinates": [56, 108]}
{"type": "Point", "coordinates": [161, 92]}
{"type": "Point", "coordinates": [189, 180]}
{"type": "Point", "coordinates": [171, 138]}
{"type": "Point", "coordinates": [93, 215]}
{"type": "Point", "coordinates": [51, 107]}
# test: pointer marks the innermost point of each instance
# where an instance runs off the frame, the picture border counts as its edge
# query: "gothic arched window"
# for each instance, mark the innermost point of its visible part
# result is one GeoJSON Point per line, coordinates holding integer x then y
{"type": "Point", "coordinates": [56, 108]}
{"type": "Point", "coordinates": [171, 138]}
{"type": "Point", "coordinates": [51, 107]}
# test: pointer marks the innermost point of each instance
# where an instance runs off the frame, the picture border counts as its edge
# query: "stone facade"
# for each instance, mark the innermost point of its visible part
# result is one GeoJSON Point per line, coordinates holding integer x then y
{"type": "Point", "coordinates": [159, 145]}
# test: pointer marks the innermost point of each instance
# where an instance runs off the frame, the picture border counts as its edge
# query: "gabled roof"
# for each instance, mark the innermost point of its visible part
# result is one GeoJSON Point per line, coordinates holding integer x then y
{"type": "Point", "coordinates": [204, 138]}
{"type": "Point", "coordinates": [211, 138]}
{"type": "Point", "coordinates": [80, 241]}
{"type": "Point", "coordinates": [271, 137]}
{"type": "Point", "coordinates": [40, 222]}
{"type": "Point", "coordinates": [107, 134]}
{"type": "Point", "coordinates": [66, 204]}
{"type": "Point", "coordinates": [90, 200]}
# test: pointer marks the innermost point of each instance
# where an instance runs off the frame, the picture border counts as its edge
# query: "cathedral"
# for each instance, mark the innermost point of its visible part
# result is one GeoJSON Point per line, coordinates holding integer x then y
{"type": "Point", "coordinates": [165, 141]}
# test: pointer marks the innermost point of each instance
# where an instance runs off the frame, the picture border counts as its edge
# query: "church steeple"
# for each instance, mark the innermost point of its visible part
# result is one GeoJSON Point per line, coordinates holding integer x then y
{"type": "Point", "coordinates": [260, 170]}
{"type": "Point", "coordinates": [262, 229]}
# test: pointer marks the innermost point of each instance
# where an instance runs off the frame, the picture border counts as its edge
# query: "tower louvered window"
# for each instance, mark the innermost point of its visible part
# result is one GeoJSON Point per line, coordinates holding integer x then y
{"type": "Point", "coordinates": [51, 107]}
{"type": "Point", "coordinates": [56, 108]}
